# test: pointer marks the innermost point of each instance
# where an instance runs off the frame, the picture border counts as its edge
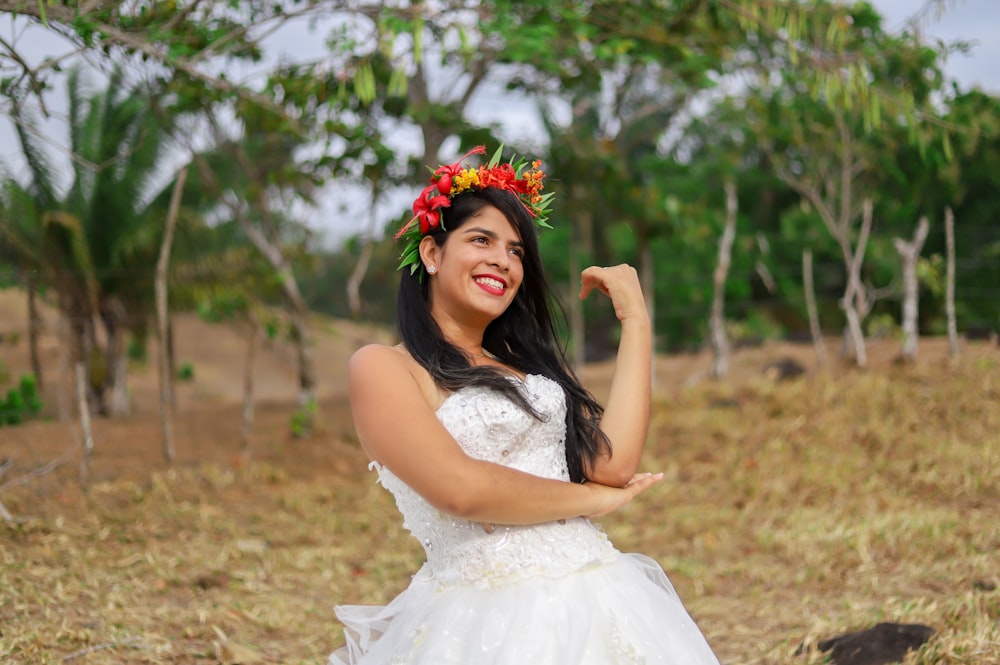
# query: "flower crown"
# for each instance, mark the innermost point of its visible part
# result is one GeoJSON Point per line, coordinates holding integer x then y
{"type": "Point", "coordinates": [450, 180]}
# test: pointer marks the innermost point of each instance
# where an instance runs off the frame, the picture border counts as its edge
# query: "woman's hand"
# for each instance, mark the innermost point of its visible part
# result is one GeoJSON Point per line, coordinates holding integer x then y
{"type": "Point", "coordinates": [609, 499]}
{"type": "Point", "coordinates": [621, 284]}
{"type": "Point", "coordinates": [606, 499]}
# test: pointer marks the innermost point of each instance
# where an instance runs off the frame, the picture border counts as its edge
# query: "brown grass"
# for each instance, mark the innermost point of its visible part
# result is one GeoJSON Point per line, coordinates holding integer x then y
{"type": "Point", "coordinates": [792, 511]}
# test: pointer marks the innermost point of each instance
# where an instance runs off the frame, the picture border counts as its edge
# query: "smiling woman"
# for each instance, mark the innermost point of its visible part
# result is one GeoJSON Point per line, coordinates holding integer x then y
{"type": "Point", "coordinates": [497, 456]}
{"type": "Point", "coordinates": [478, 273]}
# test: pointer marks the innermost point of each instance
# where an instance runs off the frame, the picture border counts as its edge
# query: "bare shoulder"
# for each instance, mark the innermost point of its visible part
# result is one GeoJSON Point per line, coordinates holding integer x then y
{"type": "Point", "coordinates": [378, 356]}
{"type": "Point", "coordinates": [379, 369]}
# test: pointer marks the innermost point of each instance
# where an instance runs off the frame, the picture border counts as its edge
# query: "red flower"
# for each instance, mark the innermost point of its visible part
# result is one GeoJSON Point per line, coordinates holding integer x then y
{"type": "Point", "coordinates": [427, 208]}
{"type": "Point", "coordinates": [446, 173]}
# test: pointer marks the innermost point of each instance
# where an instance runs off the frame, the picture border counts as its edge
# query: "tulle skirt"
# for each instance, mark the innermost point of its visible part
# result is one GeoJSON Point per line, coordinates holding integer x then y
{"type": "Point", "coordinates": [625, 612]}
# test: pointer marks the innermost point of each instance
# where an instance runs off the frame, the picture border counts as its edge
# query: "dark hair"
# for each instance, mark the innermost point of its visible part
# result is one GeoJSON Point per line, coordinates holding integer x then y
{"type": "Point", "coordinates": [523, 337]}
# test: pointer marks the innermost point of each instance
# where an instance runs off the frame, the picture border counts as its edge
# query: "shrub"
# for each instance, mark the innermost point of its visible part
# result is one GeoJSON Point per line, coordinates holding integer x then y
{"type": "Point", "coordinates": [137, 350]}
{"type": "Point", "coordinates": [29, 393]}
{"type": "Point", "coordinates": [302, 418]}
{"type": "Point", "coordinates": [185, 372]}
{"type": "Point", "coordinates": [13, 409]}
{"type": "Point", "coordinates": [21, 402]}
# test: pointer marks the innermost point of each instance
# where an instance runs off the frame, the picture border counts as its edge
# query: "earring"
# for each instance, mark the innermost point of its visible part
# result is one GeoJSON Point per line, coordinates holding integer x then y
{"type": "Point", "coordinates": [432, 269]}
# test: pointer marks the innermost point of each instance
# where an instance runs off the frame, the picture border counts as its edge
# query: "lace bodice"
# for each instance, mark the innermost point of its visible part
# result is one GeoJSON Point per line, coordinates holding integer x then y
{"type": "Point", "coordinates": [489, 427]}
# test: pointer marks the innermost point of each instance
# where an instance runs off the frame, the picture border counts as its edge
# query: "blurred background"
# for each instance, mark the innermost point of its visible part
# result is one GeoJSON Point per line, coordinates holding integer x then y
{"type": "Point", "coordinates": [306, 129]}
{"type": "Point", "coordinates": [197, 205]}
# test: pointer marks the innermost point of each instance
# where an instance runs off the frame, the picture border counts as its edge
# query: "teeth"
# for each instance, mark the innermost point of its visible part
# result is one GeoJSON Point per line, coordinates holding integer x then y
{"type": "Point", "coordinates": [489, 281]}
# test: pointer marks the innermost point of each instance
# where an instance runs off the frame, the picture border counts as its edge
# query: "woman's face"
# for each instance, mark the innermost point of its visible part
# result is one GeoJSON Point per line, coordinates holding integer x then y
{"type": "Point", "coordinates": [478, 270]}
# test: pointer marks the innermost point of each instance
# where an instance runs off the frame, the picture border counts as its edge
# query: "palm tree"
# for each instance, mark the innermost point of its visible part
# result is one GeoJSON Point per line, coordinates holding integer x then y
{"type": "Point", "coordinates": [95, 244]}
{"type": "Point", "coordinates": [16, 206]}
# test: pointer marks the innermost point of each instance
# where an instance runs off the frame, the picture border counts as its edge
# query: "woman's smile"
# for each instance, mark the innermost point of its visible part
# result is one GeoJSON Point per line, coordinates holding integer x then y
{"type": "Point", "coordinates": [491, 284]}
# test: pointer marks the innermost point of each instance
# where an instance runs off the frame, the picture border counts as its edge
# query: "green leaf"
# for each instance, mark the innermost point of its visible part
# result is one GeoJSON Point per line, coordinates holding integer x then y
{"type": "Point", "coordinates": [496, 157]}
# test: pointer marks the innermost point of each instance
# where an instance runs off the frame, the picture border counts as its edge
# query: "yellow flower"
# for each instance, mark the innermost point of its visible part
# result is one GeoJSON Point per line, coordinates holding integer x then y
{"type": "Point", "coordinates": [467, 179]}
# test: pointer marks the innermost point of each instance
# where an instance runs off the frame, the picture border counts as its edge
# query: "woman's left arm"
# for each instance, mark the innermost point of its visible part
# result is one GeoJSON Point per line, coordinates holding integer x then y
{"type": "Point", "coordinates": [626, 415]}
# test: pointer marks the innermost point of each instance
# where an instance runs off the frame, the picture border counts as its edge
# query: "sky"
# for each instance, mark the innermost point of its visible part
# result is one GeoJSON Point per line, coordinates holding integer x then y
{"type": "Point", "coordinates": [975, 21]}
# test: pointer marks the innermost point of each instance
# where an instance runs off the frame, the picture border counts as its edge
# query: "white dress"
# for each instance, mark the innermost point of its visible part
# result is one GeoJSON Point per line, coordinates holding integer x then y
{"type": "Point", "coordinates": [547, 594]}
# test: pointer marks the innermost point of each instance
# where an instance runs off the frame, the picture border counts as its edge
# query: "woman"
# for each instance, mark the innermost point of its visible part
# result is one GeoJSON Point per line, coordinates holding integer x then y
{"type": "Point", "coordinates": [497, 456]}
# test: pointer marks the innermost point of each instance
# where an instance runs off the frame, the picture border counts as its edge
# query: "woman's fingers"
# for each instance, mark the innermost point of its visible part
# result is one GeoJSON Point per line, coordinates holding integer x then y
{"type": "Point", "coordinates": [614, 498]}
{"type": "Point", "coordinates": [591, 278]}
{"type": "Point", "coordinates": [640, 482]}
{"type": "Point", "coordinates": [620, 283]}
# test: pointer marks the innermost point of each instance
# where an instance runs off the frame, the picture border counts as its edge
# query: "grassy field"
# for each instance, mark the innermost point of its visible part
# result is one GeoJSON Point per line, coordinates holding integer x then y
{"type": "Point", "coordinates": [792, 511]}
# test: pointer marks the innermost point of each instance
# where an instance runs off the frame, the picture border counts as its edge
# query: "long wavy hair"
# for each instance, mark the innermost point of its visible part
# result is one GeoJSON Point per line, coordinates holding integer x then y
{"type": "Point", "coordinates": [523, 337]}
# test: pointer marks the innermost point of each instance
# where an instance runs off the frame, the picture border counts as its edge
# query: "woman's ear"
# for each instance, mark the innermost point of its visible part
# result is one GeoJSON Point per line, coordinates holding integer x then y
{"type": "Point", "coordinates": [430, 254]}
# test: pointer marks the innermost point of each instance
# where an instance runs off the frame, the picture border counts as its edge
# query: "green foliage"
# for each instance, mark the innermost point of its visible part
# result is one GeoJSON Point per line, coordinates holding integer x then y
{"type": "Point", "coordinates": [931, 273]}
{"type": "Point", "coordinates": [754, 329]}
{"type": "Point", "coordinates": [21, 403]}
{"type": "Point", "coordinates": [28, 387]}
{"type": "Point", "coordinates": [625, 188]}
{"type": "Point", "coordinates": [136, 350]}
{"type": "Point", "coordinates": [882, 326]}
{"type": "Point", "coordinates": [302, 419]}
{"type": "Point", "coordinates": [185, 371]}
{"type": "Point", "coordinates": [13, 409]}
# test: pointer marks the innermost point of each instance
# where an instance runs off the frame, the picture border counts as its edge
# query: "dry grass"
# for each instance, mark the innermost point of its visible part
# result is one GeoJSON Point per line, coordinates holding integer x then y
{"type": "Point", "coordinates": [792, 511]}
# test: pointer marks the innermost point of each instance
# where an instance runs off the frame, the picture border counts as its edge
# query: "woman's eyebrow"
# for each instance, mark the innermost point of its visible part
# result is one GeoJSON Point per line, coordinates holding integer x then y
{"type": "Point", "coordinates": [480, 230]}
{"type": "Point", "coordinates": [491, 235]}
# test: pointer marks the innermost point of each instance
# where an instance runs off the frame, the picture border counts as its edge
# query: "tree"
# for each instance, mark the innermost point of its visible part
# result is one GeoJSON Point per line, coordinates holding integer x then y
{"type": "Point", "coordinates": [94, 242]}
{"type": "Point", "coordinates": [909, 252]}
{"type": "Point", "coordinates": [825, 144]}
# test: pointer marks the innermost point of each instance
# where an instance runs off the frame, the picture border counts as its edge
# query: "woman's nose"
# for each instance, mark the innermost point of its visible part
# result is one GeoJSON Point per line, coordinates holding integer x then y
{"type": "Point", "coordinates": [501, 258]}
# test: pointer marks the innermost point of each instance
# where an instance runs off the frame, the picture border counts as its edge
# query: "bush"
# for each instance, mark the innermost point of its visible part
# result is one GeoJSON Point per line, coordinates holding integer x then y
{"type": "Point", "coordinates": [185, 372]}
{"type": "Point", "coordinates": [29, 393]}
{"type": "Point", "coordinates": [21, 402]}
{"type": "Point", "coordinates": [13, 408]}
{"type": "Point", "coordinates": [302, 418]}
{"type": "Point", "coordinates": [882, 326]}
{"type": "Point", "coordinates": [137, 350]}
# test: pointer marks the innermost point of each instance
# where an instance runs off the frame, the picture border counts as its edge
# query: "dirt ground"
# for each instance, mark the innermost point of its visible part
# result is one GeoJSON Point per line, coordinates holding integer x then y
{"type": "Point", "coordinates": [792, 511]}
{"type": "Point", "coordinates": [208, 409]}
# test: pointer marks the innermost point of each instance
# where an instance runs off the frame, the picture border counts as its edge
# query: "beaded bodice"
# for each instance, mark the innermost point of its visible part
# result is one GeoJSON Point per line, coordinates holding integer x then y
{"type": "Point", "coordinates": [489, 427]}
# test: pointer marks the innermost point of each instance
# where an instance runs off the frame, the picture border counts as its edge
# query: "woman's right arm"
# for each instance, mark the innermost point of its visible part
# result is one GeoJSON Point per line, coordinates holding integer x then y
{"type": "Point", "coordinates": [399, 429]}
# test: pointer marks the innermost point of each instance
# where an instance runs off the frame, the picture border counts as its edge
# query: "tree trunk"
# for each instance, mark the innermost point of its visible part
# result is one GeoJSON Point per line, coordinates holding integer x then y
{"type": "Point", "coordinates": [949, 299]}
{"type": "Point", "coordinates": [357, 275]}
{"type": "Point", "coordinates": [581, 248]}
{"type": "Point", "coordinates": [306, 400]}
{"type": "Point", "coordinates": [578, 332]}
{"type": "Point", "coordinates": [34, 329]}
{"type": "Point", "coordinates": [761, 265]}
{"type": "Point", "coordinates": [269, 245]}
{"type": "Point", "coordinates": [65, 387]}
{"type": "Point", "coordinates": [298, 313]}
{"type": "Point", "coordinates": [114, 317]}
{"type": "Point", "coordinates": [81, 381]}
{"type": "Point", "coordinates": [854, 290]}
{"type": "Point", "coordinates": [162, 320]}
{"type": "Point", "coordinates": [246, 431]}
{"type": "Point", "coordinates": [717, 320]}
{"type": "Point", "coordinates": [647, 278]}
{"type": "Point", "coordinates": [814, 328]}
{"type": "Point", "coordinates": [82, 342]}
{"type": "Point", "coordinates": [171, 363]}
{"type": "Point", "coordinates": [361, 268]}
{"type": "Point", "coordinates": [908, 253]}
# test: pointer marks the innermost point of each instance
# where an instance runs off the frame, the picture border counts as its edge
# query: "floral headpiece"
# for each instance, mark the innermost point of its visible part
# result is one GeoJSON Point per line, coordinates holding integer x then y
{"type": "Point", "coordinates": [449, 181]}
